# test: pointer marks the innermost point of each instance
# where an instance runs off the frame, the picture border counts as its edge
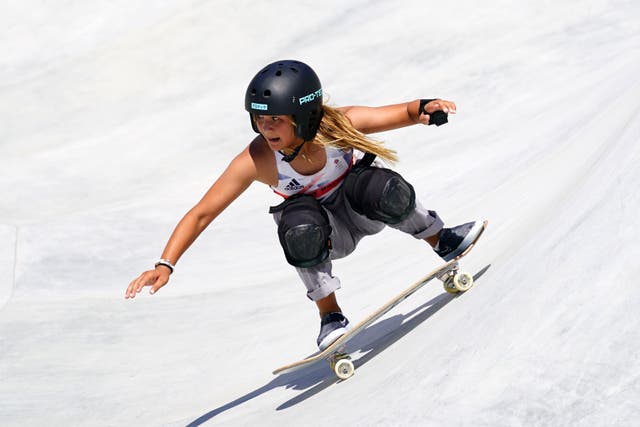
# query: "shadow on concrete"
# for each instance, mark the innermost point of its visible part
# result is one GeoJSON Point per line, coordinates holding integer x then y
{"type": "Point", "coordinates": [371, 342]}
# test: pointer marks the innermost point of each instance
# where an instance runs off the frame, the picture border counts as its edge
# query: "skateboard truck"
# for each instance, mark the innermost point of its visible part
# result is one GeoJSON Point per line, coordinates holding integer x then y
{"type": "Point", "coordinates": [454, 280]}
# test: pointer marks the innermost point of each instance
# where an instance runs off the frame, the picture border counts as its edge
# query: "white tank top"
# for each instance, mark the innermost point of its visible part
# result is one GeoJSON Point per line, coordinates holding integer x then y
{"type": "Point", "coordinates": [321, 184]}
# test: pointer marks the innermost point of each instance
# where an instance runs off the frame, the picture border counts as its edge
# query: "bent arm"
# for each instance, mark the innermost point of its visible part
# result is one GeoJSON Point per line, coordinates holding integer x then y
{"type": "Point", "coordinates": [238, 176]}
{"type": "Point", "coordinates": [240, 173]}
{"type": "Point", "coordinates": [389, 117]}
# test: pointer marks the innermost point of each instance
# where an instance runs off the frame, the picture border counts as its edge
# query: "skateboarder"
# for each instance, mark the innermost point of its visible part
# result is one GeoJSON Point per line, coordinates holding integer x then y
{"type": "Point", "coordinates": [309, 153]}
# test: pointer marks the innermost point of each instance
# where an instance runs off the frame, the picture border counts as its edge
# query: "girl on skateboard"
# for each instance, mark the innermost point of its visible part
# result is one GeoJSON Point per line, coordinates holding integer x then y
{"type": "Point", "coordinates": [312, 155]}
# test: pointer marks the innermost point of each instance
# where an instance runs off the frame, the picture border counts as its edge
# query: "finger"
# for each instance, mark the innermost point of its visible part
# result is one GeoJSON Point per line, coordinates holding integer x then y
{"type": "Point", "coordinates": [137, 285]}
{"type": "Point", "coordinates": [160, 282]}
{"type": "Point", "coordinates": [131, 290]}
{"type": "Point", "coordinates": [440, 105]}
{"type": "Point", "coordinates": [450, 108]}
{"type": "Point", "coordinates": [431, 107]}
{"type": "Point", "coordinates": [147, 279]}
{"type": "Point", "coordinates": [130, 293]}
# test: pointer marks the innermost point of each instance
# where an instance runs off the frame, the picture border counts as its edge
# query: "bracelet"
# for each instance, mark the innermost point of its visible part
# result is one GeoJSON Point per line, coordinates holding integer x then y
{"type": "Point", "coordinates": [166, 263]}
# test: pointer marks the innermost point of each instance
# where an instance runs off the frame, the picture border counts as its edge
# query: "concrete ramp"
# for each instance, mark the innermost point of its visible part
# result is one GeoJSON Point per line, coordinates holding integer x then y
{"type": "Point", "coordinates": [117, 117]}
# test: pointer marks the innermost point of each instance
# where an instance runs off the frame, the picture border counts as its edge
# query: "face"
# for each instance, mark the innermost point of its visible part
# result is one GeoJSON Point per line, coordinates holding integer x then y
{"type": "Point", "coordinates": [277, 130]}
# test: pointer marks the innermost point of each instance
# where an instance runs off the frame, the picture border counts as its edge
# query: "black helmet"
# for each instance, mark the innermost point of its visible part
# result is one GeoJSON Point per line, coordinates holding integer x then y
{"type": "Point", "coordinates": [287, 88]}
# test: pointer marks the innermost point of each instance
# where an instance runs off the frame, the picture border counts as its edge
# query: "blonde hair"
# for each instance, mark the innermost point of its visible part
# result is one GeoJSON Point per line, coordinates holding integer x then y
{"type": "Point", "coordinates": [336, 130]}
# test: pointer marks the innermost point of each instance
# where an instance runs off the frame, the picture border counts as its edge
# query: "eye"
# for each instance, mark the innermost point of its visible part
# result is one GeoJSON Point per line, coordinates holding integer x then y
{"type": "Point", "coordinates": [275, 119]}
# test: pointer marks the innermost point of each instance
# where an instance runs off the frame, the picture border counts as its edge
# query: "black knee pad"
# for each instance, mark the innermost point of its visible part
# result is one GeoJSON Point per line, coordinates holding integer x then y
{"type": "Point", "coordinates": [379, 194]}
{"type": "Point", "coordinates": [304, 231]}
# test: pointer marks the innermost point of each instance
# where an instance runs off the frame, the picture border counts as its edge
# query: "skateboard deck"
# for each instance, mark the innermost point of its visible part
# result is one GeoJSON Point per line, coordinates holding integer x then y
{"type": "Point", "coordinates": [454, 281]}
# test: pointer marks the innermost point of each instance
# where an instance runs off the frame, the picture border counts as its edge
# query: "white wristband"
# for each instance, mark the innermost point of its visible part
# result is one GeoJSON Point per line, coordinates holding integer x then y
{"type": "Point", "coordinates": [166, 263]}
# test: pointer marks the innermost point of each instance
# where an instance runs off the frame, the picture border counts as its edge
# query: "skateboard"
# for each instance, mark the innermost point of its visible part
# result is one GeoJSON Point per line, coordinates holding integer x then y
{"type": "Point", "coordinates": [453, 279]}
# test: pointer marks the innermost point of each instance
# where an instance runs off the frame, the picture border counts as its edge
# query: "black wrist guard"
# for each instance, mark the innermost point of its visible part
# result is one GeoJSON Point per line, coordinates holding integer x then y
{"type": "Point", "coordinates": [437, 118]}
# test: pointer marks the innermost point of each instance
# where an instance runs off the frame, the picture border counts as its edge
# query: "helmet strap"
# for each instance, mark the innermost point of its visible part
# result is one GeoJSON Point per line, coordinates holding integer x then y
{"type": "Point", "coordinates": [289, 157]}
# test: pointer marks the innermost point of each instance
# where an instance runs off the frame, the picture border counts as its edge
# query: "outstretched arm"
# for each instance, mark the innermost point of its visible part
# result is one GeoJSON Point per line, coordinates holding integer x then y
{"type": "Point", "coordinates": [238, 176]}
{"type": "Point", "coordinates": [388, 117]}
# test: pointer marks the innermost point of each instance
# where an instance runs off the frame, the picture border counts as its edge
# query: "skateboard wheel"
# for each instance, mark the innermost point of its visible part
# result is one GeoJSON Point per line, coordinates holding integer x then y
{"type": "Point", "coordinates": [449, 286]}
{"type": "Point", "coordinates": [343, 368]}
{"type": "Point", "coordinates": [462, 281]}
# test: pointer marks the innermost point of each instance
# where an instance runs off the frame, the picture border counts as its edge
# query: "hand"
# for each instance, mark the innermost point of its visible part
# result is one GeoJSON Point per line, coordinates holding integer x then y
{"type": "Point", "coordinates": [448, 107]}
{"type": "Point", "coordinates": [155, 278]}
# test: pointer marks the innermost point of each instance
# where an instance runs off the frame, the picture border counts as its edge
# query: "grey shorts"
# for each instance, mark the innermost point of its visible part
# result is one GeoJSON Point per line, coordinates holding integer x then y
{"type": "Point", "coordinates": [348, 228]}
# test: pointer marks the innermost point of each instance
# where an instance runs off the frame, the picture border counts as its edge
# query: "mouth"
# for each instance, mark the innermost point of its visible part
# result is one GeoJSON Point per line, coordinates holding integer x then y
{"type": "Point", "coordinates": [273, 141]}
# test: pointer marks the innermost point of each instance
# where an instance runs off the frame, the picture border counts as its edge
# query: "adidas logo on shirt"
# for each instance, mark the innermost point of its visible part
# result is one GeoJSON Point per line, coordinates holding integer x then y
{"type": "Point", "coordinates": [294, 185]}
